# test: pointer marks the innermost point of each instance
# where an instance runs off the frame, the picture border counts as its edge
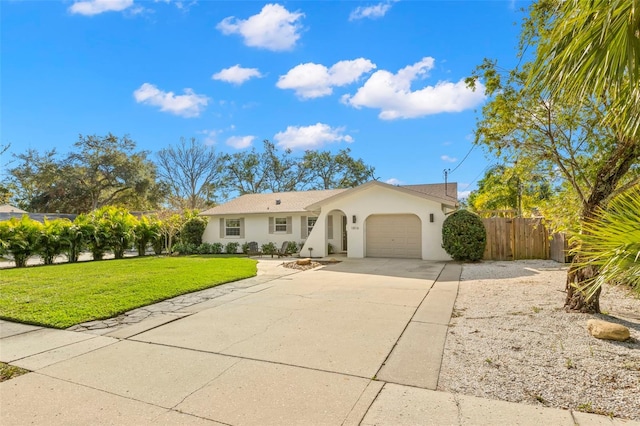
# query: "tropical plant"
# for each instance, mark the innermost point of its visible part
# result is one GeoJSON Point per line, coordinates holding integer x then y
{"type": "Point", "coordinates": [76, 234]}
{"type": "Point", "coordinates": [573, 111]}
{"type": "Point", "coordinates": [94, 235]}
{"type": "Point", "coordinates": [118, 225]}
{"type": "Point", "coordinates": [20, 238]}
{"type": "Point", "coordinates": [146, 231]}
{"type": "Point", "coordinates": [464, 236]}
{"type": "Point", "coordinates": [610, 243]}
{"type": "Point", "coordinates": [591, 50]}
{"type": "Point", "coordinates": [53, 239]}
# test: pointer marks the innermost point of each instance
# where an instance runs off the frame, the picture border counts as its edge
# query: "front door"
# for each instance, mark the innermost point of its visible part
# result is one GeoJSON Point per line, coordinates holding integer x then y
{"type": "Point", "coordinates": [344, 233]}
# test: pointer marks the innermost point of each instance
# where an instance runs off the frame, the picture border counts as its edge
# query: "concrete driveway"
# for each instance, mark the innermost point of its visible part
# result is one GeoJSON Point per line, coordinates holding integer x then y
{"type": "Point", "coordinates": [359, 342]}
{"type": "Point", "coordinates": [300, 349]}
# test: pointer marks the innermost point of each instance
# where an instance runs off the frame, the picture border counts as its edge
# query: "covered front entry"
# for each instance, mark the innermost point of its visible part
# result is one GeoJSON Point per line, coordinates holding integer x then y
{"type": "Point", "coordinates": [394, 235]}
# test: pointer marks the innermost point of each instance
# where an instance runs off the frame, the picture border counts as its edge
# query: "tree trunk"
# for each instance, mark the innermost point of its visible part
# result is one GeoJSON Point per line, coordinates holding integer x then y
{"type": "Point", "coordinates": [607, 178]}
{"type": "Point", "coordinates": [576, 300]}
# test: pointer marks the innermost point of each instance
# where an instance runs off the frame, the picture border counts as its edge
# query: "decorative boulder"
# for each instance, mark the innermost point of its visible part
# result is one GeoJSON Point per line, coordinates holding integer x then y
{"type": "Point", "coordinates": [303, 262]}
{"type": "Point", "coordinates": [607, 330]}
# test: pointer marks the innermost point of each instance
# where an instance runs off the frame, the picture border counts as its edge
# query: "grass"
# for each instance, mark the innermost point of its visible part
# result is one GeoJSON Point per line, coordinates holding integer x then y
{"type": "Point", "coordinates": [9, 371]}
{"type": "Point", "coordinates": [63, 295]}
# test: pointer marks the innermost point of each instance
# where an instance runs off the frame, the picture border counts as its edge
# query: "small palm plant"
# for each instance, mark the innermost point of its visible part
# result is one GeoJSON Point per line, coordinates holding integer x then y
{"type": "Point", "coordinates": [52, 240]}
{"type": "Point", "coordinates": [611, 243]}
{"type": "Point", "coordinates": [20, 238]}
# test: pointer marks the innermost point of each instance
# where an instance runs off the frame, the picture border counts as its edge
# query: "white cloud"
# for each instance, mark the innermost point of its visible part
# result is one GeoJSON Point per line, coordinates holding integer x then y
{"type": "Point", "coordinates": [311, 80]}
{"type": "Point", "coordinates": [392, 94]}
{"type": "Point", "coordinates": [188, 105]}
{"type": "Point", "coordinates": [394, 181]}
{"type": "Point", "coordinates": [310, 137]}
{"type": "Point", "coordinates": [95, 7]}
{"type": "Point", "coordinates": [448, 159]}
{"type": "Point", "coordinates": [372, 12]}
{"type": "Point", "coordinates": [236, 74]}
{"type": "Point", "coordinates": [463, 194]}
{"type": "Point", "coordinates": [240, 142]}
{"type": "Point", "coordinates": [274, 28]}
{"type": "Point", "coordinates": [210, 136]}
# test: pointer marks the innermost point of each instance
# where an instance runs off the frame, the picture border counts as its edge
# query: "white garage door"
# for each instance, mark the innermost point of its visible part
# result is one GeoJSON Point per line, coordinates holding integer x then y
{"type": "Point", "coordinates": [394, 236]}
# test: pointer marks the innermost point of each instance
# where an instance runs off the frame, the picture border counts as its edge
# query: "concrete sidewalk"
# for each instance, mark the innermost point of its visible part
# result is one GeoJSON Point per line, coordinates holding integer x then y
{"type": "Point", "coordinates": [358, 342]}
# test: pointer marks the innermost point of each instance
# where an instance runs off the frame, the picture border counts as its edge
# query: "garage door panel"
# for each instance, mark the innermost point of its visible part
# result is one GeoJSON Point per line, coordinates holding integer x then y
{"type": "Point", "coordinates": [394, 236]}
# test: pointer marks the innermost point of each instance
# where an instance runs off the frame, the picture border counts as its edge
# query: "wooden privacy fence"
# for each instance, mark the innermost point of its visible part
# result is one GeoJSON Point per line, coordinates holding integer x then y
{"type": "Point", "coordinates": [516, 238]}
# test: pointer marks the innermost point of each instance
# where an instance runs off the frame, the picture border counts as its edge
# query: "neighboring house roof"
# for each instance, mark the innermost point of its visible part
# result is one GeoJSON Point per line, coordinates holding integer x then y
{"type": "Point", "coordinates": [273, 202]}
{"type": "Point", "coordinates": [433, 192]}
{"type": "Point", "coordinates": [7, 208]}
{"type": "Point", "coordinates": [38, 216]}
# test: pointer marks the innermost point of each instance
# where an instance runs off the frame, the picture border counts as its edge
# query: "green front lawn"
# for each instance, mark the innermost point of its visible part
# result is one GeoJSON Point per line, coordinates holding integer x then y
{"type": "Point", "coordinates": [63, 295]}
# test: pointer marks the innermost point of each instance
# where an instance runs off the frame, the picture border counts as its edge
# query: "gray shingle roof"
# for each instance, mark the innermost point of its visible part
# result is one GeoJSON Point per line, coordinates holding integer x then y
{"type": "Point", "coordinates": [290, 202]}
{"type": "Point", "coordinates": [439, 190]}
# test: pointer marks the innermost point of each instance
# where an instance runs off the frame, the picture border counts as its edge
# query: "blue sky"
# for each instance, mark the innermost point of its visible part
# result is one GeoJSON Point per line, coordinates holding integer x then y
{"type": "Point", "coordinates": [383, 78]}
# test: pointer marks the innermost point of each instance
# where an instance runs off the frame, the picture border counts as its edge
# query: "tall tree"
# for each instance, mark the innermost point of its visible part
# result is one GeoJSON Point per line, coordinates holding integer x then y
{"type": "Point", "coordinates": [330, 171]}
{"type": "Point", "coordinates": [246, 173]}
{"type": "Point", "coordinates": [101, 171]}
{"type": "Point", "coordinates": [36, 179]}
{"type": "Point", "coordinates": [193, 172]}
{"type": "Point", "coordinates": [284, 172]}
{"type": "Point", "coordinates": [569, 134]}
{"type": "Point", "coordinates": [107, 170]}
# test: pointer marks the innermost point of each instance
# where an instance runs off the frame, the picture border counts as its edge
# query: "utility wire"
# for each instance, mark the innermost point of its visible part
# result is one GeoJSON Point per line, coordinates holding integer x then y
{"type": "Point", "coordinates": [462, 161]}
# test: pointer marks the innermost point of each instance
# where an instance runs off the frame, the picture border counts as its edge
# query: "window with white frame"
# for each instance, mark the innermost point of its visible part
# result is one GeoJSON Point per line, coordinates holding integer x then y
{"type": "Point", "coordinates": [311, 222]}
{"type": "Point", "coordinates": [232, 227]}
{"type": "Point", "coordinates": [281, 224]}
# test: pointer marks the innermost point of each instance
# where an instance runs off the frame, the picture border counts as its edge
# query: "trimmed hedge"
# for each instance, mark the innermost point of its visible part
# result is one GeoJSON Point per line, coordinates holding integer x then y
{"type": "Point", "coordinates": [464, 236]}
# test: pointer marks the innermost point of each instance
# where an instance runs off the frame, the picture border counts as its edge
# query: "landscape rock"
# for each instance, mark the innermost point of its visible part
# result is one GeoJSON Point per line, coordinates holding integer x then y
{"type": "Point", "coordinates": [607, 330]}
{"type": "Point", "coordinates": [303, 262]}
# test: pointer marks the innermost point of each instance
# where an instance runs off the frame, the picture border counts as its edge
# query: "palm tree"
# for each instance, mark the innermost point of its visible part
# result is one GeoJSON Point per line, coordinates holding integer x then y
{"type": "Point", "coordinates": [612, 243]}
{"type": "Point", "coordinates": [591, 49]}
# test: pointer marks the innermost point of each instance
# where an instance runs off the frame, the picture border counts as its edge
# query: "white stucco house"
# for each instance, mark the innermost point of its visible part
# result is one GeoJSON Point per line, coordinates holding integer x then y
{"type": "Point", "coordinates": [372, 220]}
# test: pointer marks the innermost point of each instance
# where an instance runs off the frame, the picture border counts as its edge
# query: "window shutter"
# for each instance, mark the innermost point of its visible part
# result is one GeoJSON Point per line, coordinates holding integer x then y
{"type": "Point", "coordinates": [330, 227]}
{"type": "Point", "coordinates": [303, 227]}
{"type": "Point", "coordinates": [241, 227]}
{"type": "Point", "coordinates": [271, 225]}
{"type": "Point", "coordinates": [289, 225]}
{"type": "Point", "coordinates": [222, 233]}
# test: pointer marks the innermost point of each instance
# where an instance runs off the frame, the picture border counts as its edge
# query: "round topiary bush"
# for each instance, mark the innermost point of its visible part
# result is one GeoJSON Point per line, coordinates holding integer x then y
{"type": "Point", "coordinates": [464, 236]}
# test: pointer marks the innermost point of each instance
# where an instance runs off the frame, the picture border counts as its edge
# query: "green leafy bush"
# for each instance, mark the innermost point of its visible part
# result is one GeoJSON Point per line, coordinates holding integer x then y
{"type": "Point", "coordinates": [464, 236]}
{"type": "Point", "coordinates": [231, 248]}
{"type": "Point", "coordinates": [192, 230]}
{"type": "Point", "coordinates": [292, 247]}
{"type": "Point", "coordinates": [245, 248]}
{"type": "Point", "coordinates": [216, 248]}
{"type": "Point", "coordinates": [185, 248]}
{"type": "Point", "coordinates": [205, 248]}
{"type": "Point", "coordinates": [269, 248]}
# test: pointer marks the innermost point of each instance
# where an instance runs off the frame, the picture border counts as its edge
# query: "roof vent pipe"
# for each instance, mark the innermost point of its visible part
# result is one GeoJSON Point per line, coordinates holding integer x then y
{"type": "Point", "coordinates": [277, 202]}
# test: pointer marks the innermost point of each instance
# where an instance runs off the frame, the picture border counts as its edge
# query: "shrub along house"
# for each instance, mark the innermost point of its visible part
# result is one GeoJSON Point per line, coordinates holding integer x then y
{"type": "Point", "coordinates": [372, 220]}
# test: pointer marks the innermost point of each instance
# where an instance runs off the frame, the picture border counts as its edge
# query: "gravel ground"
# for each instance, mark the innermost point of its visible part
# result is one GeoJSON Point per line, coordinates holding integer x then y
{"type": "Point", "coordinates": [510, 339]}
